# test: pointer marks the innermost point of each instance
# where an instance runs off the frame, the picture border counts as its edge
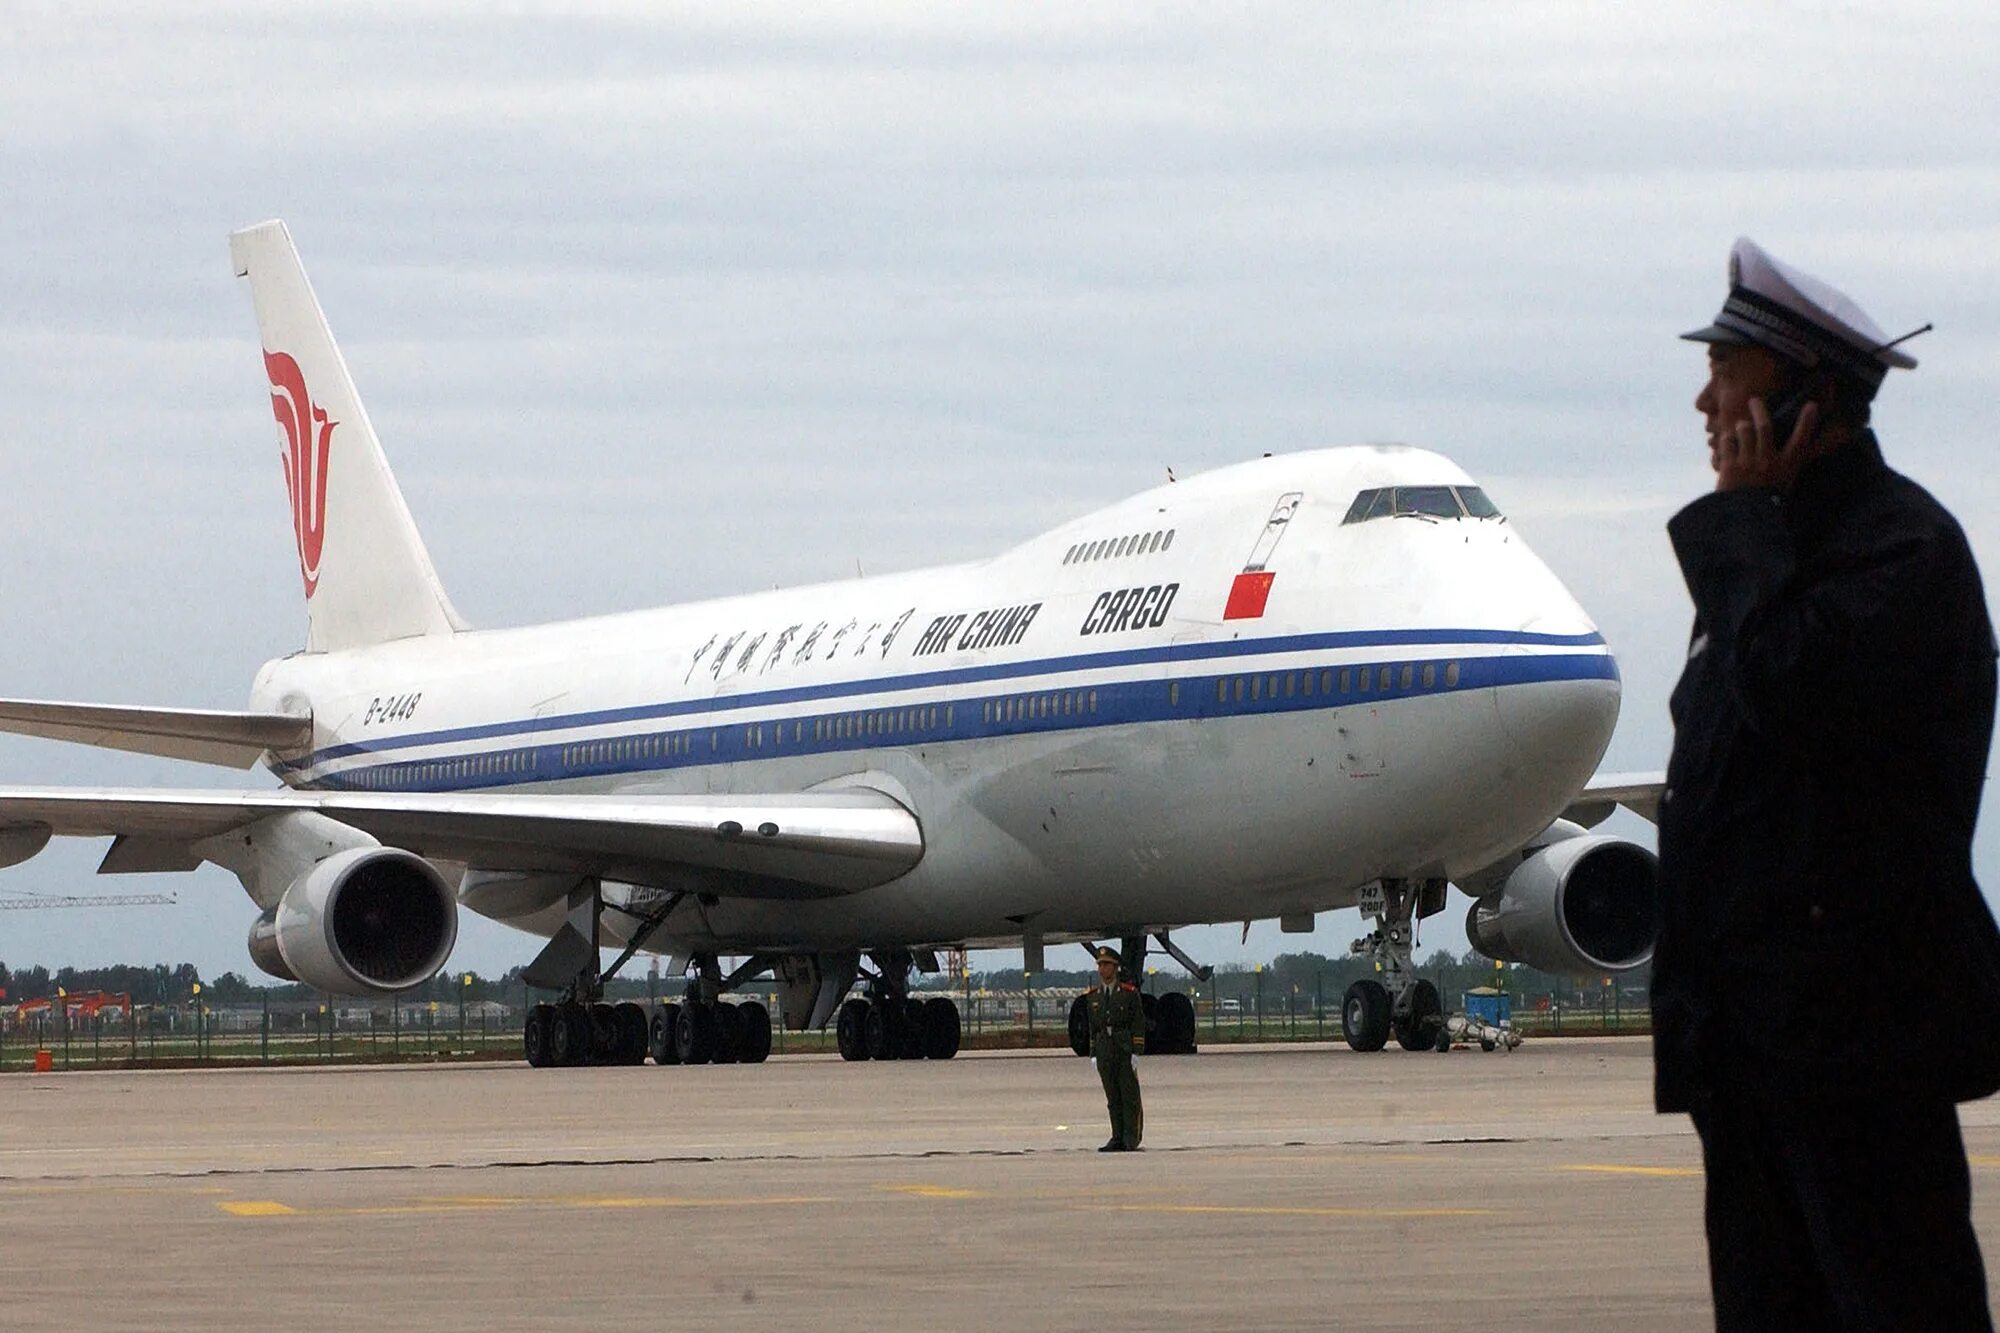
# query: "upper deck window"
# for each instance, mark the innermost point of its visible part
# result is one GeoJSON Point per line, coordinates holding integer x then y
{"type": "Point", "coordinates": [1433, 502]}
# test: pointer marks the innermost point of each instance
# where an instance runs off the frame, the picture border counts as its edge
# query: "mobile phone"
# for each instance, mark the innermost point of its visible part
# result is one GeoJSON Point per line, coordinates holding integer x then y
{"type": "Point", "coordinates": [1785, 412]}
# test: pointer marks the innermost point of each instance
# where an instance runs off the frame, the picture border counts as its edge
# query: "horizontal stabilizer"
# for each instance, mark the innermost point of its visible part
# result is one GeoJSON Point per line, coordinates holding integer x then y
{"type": "Point", "coordinates": [794, 845]}
{"type": "Point", "coordinates": [233, 740]}
{"type": "Point", "coordinates": [1637, 792]}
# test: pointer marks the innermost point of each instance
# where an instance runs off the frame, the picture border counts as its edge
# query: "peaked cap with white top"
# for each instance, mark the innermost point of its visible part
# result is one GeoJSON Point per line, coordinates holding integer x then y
{"type": "Point", "coordinates": [1774, 306]}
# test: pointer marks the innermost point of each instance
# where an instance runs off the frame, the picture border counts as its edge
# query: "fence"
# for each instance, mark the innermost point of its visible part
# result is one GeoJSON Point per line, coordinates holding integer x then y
{"type": "Point", "coordinates": [200, 1035]}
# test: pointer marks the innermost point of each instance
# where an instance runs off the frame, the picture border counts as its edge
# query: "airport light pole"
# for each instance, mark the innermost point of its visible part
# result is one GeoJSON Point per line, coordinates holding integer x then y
{"type": "Point", "coordinates": [1260, 1001]}
{"type": "Point", "coordinates": [1028, 993]}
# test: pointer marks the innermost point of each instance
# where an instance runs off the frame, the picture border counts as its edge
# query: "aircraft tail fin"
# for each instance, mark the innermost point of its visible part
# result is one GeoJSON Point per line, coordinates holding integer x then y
{"type": "Point", "coordinates": [368, 578]}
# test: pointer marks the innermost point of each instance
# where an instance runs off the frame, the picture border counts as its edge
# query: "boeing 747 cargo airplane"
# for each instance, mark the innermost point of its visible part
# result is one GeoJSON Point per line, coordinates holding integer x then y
{"type": "Point", "coordinates": [1298, 684]}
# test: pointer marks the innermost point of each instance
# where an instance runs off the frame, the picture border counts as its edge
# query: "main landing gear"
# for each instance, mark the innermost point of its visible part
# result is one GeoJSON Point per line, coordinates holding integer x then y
{"type": "Point", "coordinates": [1170, 1025]}
{"type": "Point", "coordinates": [888, 1023]}
{"type": "Point", "coordinates": [1402, 1004]}
{"type": "Point", "coordinates": [582, 1029]}
{"type": "Point", "coordinates": [701, 1028]}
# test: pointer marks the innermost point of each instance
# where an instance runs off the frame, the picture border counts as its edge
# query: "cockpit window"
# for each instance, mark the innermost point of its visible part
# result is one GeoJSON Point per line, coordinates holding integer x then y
{"type": "Point", "coordinates": [1426, 501]}
{"type": "Point", "coordinates": [1476, 503]}
{"type": "Point", "coordinates": [1436, 501]}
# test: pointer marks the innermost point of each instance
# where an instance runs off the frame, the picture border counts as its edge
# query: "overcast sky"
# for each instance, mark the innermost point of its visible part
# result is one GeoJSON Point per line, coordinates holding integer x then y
{"type": "Point", "coordinates": [651, 304]}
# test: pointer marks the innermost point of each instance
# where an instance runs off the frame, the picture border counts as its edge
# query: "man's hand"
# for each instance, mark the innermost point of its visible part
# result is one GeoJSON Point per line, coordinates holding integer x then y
{"type": "Point", "coordinates": [1746, 455]}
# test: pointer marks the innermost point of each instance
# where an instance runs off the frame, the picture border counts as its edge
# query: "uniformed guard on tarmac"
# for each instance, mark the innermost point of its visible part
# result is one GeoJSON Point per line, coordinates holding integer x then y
{"type": "Point", "coordinates": [1117, 1030]}
{"type": "Point", "coordinates": [1826, 969]}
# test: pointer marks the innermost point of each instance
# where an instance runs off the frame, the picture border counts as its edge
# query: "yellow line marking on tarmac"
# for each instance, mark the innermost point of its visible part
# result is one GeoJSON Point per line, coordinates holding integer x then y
{"type": "Point", "coordinates": [491, 1203]}
{"type": "Point", "coordinates": [933, 1191]}
{"type": "Point", "coordinates": [1608, 1169]}
{"type": "Point", "coordinates": [1255, 1210]}
{"type": "Point", "coordinates": [1982, 1159]}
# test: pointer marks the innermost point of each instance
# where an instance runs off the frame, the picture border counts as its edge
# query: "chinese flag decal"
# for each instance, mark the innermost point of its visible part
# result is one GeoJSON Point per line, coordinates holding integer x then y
{"type": "Point", "coordinates": [1248, 594]}
{"type": "Point", "coordinates": [1252, 588]}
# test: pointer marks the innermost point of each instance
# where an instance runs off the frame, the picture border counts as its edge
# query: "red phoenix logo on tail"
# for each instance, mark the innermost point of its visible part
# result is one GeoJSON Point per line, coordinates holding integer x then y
{"type": "Point", "coordinates": [305, 459]}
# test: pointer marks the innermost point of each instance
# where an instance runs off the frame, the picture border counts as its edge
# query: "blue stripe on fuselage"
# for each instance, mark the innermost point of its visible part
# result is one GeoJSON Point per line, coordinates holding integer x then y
{"type": "Point", "coordinates": [1081, 705]}
{"type": "Point", "coordinates": [714, 705]}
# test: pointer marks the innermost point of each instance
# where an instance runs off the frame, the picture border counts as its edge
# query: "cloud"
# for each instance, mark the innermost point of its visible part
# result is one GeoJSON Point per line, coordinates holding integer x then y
{"type": "Point", "coordinates": [649, 307]}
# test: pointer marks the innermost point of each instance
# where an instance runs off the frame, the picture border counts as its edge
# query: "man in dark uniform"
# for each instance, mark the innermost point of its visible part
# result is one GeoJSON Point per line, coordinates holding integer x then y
{"type": "Point", "coordinates": [1117, 1030]}
{"type": "Point", "coordinates": [1827, 971]}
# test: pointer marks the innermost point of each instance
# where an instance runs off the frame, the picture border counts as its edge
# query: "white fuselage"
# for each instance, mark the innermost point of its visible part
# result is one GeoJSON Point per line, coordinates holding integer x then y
{"type": "Point", "coordinates": [1091, 746]}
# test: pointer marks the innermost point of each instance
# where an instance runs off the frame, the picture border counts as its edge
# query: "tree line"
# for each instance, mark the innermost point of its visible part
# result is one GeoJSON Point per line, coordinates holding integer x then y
{"type": "Point", "coordinates": [1289, 981]}
{"type": "Point", "coordinates": [1302, 979]}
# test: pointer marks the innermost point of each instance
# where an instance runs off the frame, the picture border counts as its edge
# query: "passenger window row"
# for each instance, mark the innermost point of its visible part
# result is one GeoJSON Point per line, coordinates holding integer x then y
{"type": "Point", "coordinates": [882, 722]}
{"type": "Point", "coordinates": [1036, 707]}
{"type": "Point", "coordinates": [1328, 682]}
{"type": "Point", "coordinates": [1111, 548]}
{"type": "Point", "coordinates": [425, 772]}
{"type": "Point", "coordinates": [666, 745]}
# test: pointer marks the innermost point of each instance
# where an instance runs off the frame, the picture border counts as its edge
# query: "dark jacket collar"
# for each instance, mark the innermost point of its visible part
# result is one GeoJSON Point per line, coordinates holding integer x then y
{"type": "Point", "coordinates": [1827, 483]}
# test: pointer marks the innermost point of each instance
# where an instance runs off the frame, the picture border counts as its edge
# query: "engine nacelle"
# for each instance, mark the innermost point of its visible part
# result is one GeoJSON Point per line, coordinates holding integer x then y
{"type": "Point", "coordinates": [1582, 906]}
{"type": "Point", "coordinates": [366, 921]}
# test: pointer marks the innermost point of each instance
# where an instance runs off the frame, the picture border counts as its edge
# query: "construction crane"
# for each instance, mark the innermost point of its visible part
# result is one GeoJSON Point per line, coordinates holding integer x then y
{"type": "Point", "coordinates": [27, 901]}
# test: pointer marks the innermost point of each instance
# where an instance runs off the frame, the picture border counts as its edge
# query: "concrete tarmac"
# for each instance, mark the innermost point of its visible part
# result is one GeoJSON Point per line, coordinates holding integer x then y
{"type": "Point", "coordinates": [1282, 1187]}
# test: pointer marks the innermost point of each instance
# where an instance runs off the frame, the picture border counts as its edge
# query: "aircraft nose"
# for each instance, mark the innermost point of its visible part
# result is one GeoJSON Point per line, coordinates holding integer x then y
{"type": "Point", "coordinates": [1559, 726]}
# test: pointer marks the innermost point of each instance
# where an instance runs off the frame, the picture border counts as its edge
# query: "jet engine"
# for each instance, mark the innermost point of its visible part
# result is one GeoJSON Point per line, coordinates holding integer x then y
{"type": "Point", "coordinates": [1582, 906]}
{"type": "Point", "coordinates": [366, 921]}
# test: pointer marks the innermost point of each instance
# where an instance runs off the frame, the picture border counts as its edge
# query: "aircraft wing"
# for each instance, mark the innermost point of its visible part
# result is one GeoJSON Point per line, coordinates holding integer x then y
{"type": "Point", "coordinates": [233, 740]}
{"type": "Point", "coordinates": [793, 845]}
{"type": "Point", "coordinates": [1637, 792]}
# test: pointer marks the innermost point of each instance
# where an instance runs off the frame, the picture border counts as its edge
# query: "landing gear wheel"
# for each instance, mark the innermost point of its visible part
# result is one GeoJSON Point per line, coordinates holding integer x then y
{"type": "Point", "coordinates": [850, 1030]}
{"type": "Point", "coordinates": [753, 1033]}
{"type": "Point", "coordinates": [1079, 1025]}
{"type": "Point", "coordinates": [631, 1033]}
{"type": "Point", "coordinates": [694, 1034]}
{"type": "Point", "coordinates": [660, 1035]}
{"type": "Point", "coordinates": [942, 1029]}
{"type": "Point", "coordinates": [914, 1034]}
{"type": "Point", "coordinates": [535, 1035]}
{"type": "Point", "coordinates": [727, 1021]}
{"type": "Point", "coordinates": [1364, 1015]}
{"type": "Point", "coordinates": [603, 1035]}
{"type": "Point", "coordinates": [881, 1035]}
{"type": "Point", "coordinates": [1156, 1041]}
{"type": "Point", "coordinates": [569, 1035]}
{"type": "Point", "coordinates": [1177, 1022]}
{"type": "Point", "coordinates": [1417, 1026]}
{"type": "Point", "coordinates": [1444, 1040]}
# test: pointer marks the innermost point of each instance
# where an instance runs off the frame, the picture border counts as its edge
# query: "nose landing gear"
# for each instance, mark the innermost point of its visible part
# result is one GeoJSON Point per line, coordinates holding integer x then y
{"type": "Point", "coordinates": [1402, 1004]}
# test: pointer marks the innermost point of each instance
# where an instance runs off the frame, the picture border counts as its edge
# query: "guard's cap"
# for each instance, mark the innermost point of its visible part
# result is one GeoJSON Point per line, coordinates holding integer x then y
{"type": "Point", "coordinates": [1773, 305]}
{"type": "Point", "coordinates": [1106, 954]}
